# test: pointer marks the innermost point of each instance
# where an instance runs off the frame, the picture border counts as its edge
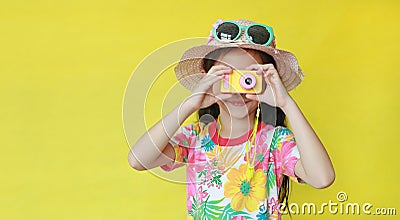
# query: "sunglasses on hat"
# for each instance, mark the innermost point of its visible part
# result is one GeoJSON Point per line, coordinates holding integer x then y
{"type": "Point", "coordinates": [255, 33]}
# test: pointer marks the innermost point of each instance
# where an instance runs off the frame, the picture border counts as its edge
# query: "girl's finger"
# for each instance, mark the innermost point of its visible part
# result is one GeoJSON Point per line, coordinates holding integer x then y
{"type": "Point", "coordinates": [253, 67]}
{"type": "Point", "coordinates": [267, 79]}
{"type": "Point", "coordinates": [262, 68]}
{"type": "Point", "coordinates": [271, 73]}
{"type": "Point", "coordinates": [215, 76]}
{"type": "Point", "coordinates": [268, 66]}
{"type": "Point", "coordinates": [209, 81]}
{"type": "Point", "coordinates": [219, 73]}
{"type": "Point", "coordinates": [211, 77]}
{"type": "Point", "coordinates": [217, 68]}
{"type": "Point", "coordinates": [223, 71]}
{"type": "Point", "coordinates": [256, 67]}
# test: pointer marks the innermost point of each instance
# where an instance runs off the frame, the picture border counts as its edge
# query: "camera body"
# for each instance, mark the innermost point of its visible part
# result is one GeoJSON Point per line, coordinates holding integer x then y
{"type": "Point", "coordinates": [242, 81]}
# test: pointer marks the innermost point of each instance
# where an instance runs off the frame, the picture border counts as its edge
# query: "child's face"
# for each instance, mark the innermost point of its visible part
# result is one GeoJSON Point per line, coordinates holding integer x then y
{"type": "Point", "coordinates": [238, 106]}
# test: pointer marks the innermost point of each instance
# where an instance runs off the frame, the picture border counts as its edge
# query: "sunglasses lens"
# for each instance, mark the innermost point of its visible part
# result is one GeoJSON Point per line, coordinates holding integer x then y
{"type": "Point", "coordinates": [227, 31]}
{"type": "Point", "coordinates": [259, 34]}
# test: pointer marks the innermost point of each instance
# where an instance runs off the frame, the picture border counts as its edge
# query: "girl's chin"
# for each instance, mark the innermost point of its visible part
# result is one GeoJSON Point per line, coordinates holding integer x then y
{"type": "Point", "coordinates": [238, 111]}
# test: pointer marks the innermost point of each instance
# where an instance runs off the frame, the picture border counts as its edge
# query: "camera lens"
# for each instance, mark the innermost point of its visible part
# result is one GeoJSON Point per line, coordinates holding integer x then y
{"type": "Point", "coordinates": [248, 81]}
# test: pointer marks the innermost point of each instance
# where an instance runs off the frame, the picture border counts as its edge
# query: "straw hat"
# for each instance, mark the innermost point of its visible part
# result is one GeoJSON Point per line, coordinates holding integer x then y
{"type": "Point", "coordinates": [188, 70]}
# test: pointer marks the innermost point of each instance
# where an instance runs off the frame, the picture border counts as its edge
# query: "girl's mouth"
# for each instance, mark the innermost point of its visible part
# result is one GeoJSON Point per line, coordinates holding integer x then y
{"type": "Point", "coordinates": [238, 103]}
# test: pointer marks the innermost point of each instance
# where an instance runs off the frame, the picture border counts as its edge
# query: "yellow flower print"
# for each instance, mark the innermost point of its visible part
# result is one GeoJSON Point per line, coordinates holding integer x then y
{"type": "Point", "coordinates": [289, 137]}
{"type": "Point", "coordinates": [226, 158]}
{"type": "Point", "coordinates": [274, 215]}
{"type": "Point", "coordinates": [196, 128]}
{"type": "Point", "coordinates": [244, 191]}
{"type": "Point", "coordinates": [178, 154]}
{"type": "Point", "coordinates": [200, 129]}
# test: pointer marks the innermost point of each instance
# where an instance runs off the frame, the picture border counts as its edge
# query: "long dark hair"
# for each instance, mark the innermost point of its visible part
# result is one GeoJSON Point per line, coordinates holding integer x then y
{"type": "Point", "coordinates": [269, 114]}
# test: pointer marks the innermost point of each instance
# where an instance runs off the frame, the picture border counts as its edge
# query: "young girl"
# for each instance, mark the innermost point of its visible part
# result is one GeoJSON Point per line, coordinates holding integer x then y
{"type": "Point", "coordinates": [238, 160]}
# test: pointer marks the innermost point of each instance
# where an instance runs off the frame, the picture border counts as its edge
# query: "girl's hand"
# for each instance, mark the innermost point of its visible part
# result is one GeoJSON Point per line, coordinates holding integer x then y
{"type": "Point", "coordinates": [202, 96]}
{"type": "Point", "coordinates": [275, 93]}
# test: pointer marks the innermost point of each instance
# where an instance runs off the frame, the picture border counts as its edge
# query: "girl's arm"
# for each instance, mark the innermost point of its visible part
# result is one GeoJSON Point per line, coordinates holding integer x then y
{"type": "Point", "coordinates": [153, 148]}
{"type": "Point", "coordinates": [314, 166]}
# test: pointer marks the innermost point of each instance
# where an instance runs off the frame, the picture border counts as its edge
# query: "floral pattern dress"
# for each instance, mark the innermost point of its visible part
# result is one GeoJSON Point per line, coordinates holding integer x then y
{"type": "Point", "coordinates": [218, 184]}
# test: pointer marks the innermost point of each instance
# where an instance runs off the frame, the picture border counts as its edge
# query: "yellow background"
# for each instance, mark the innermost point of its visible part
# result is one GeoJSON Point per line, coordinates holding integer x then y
{"type": "Point", "coordinates": [65, 64]}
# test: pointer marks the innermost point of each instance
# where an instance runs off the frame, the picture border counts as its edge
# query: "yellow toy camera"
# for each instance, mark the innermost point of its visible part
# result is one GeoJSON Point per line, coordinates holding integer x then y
{"type": "Point", "coordinates": [242, 81]}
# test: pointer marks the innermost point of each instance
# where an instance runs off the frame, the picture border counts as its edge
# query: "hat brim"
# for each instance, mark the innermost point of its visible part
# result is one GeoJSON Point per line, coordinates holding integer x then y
{"type": "Point", "coordinates": [188, 71]}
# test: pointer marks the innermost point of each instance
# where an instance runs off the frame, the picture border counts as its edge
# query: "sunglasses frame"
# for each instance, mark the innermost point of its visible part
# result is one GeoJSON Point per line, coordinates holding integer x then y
{"type": "Point", "coordinates": [246, 28]}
